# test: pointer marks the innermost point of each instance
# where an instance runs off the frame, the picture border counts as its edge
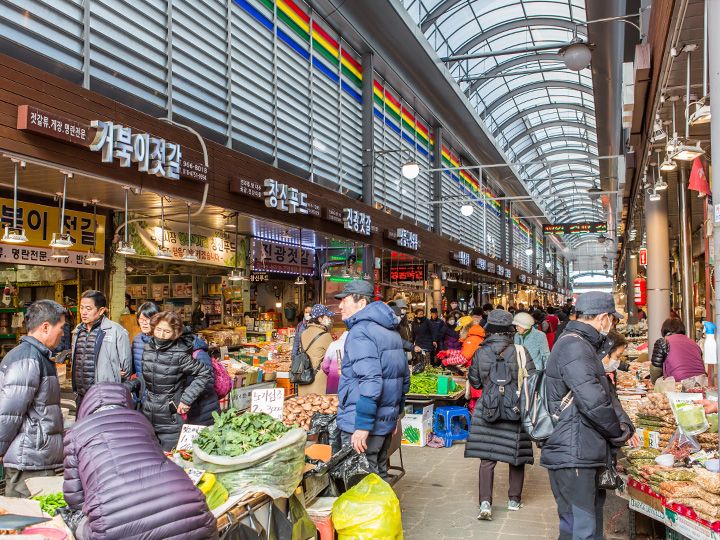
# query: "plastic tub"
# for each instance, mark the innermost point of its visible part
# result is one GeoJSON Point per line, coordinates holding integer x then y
{"type": "Point", "coordinates": [47, 532]}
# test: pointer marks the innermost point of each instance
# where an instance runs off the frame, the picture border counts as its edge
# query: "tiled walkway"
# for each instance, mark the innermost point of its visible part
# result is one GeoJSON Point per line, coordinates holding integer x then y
{"type": "Point", "coordinates": [439, 499]}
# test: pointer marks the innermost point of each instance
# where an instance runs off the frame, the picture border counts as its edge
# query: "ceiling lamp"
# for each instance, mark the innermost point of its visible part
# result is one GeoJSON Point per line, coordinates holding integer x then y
{"type": "Point", "coordinates": [601, 238]}
{"type": "Point", "coordinates": [410, 170]}
{"type": "Point", "coordinates": [236, 275]}
{"type": "Point", "coordinates": [93, 256]}
{"type": "Point", "coordinates": [658, 133]}
{"type": "Point", "coordinates": [528, 250]}
{"type": "Point", "coordinates": [654, 196]}
{"type": "Point", "coordinates": [346, 273]}
{"type": "Point", "coordinates": [59, 253]}
{"type": "Point", "coordinates": [230, 223]}
{"type": "Point", "coordinates": [701, 115]}
{"type": "Point", "coordinates": [190, 255]}
{"type": "Point", "coordinates": [326, 273]}
{"type": "Point", "coordinates": [124, 247]}
{"type": "Point", "coordinates": [668, 164]}
{"type": "Point", "coordinates": [61, 239]}
{"type": "Point", "coordinates": [687, 153]}
{"type": "Point", "coordinates": [576, 54]}
{"type": "Point", "coordinates": [702, 111]}
{"type": "Point", "coordinates": [466, 210]}
{"type": "Point", "coordinates": [162, 251]}
{"type": "Point", "coordinates": [300, 281]}
{"type": "Point", "coordinates": [15, 234]}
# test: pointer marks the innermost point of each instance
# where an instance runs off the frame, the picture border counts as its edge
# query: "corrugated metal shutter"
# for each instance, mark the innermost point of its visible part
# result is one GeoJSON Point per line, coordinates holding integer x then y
{"type": "Point", "coordinates": [494, 226]}
{"type": "Point", "coordinates": [128, 47]}
{"type": "Point", "coordinates": [351, 119]}
{"type": "Point", "coordinates": [199, 62]}
{"type": "Point", "coordinates": [51, 28]}
{"type": "Point", "coordinates": [521, 242]}
{"type": "Point", "coordinates": [253, 116]}
{"type": "Point", "coordinates": [449, 212]}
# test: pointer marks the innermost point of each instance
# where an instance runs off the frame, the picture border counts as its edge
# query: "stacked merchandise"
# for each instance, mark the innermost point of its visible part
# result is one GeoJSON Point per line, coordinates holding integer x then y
{"type": "Point", "coordinates": [298, 411]}
{"type": "Point", "coordinates": [655, 421]}
{"type": "Point", "coordinates": [702, 494]}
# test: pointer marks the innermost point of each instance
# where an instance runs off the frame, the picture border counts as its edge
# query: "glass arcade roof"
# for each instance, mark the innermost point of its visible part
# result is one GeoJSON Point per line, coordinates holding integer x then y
{"type": "Point", "coordinates": [540, 113]}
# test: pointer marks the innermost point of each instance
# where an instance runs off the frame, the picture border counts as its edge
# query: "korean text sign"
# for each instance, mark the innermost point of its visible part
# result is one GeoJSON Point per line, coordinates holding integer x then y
{"type": "Point", "coordinates": [268, 400]}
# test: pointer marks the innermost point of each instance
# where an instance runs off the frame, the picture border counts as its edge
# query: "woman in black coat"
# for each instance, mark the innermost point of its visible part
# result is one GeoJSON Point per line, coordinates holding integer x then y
{"type": "Point", "coordinates": [172, 377]}
{"type": "Point", "coordinates": [502, 440]}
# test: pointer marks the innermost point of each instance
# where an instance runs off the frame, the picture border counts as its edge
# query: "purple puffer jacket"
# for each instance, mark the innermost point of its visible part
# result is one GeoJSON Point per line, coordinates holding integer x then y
{"type": "Point", "coordinates": [117, 474]}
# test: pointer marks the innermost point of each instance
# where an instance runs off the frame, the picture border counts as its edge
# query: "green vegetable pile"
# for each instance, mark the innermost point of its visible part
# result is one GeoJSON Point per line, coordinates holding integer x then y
{"type": "Point", "coordinates": [423, 383]}
{"type": "Point", "coordinates": [50, 503]}
{"type": "Point", "coordinates": [411, 434]}
{"type": "Point", "coordinates": [234, 434]}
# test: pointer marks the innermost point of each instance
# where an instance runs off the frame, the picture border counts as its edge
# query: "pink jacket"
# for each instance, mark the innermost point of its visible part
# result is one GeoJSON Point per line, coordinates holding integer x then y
{"type": "Point", "coordinates": [330, 363]}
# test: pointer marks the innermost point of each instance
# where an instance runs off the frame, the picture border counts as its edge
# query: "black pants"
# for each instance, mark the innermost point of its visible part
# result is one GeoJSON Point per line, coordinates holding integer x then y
{"type": "Point", "coordinates": [580, 503]}
{"type": "Point", "coordinates": [376, 453]}
{"type": "Point", "coordinates": [487, 476]}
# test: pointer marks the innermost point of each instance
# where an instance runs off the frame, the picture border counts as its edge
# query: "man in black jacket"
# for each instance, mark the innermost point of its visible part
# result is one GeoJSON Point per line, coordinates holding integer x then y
{"type": "Point", "coordinates": [589, 426]}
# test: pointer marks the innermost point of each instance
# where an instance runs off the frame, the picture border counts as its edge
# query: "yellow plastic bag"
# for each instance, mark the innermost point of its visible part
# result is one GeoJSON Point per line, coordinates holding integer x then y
{"type": "Point", "coordinates": [368, 511]}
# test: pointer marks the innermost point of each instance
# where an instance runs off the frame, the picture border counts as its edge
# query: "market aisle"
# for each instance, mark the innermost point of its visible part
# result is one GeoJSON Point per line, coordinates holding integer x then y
{"type": "Point", "coordinates": [438, 497]}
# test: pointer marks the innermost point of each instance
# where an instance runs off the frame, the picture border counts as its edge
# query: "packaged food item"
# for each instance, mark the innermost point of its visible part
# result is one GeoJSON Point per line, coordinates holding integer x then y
{"type": "Point", "coordinates": [709, 482]}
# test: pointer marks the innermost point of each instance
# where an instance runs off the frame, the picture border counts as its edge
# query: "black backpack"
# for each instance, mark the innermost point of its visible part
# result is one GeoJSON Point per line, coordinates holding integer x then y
{"type": "Point", "coordinates": [500, 399]}
{"type": "Point", "coordinates": [301, 368]}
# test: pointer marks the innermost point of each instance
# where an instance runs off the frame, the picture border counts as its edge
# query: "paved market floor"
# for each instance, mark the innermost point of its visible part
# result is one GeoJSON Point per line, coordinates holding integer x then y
{"type": "Point", "coordinates": [439, 499]}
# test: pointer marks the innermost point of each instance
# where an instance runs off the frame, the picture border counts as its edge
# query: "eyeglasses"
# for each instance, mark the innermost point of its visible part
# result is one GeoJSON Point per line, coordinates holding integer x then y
{"type": "Point", "coordinates": [163, 332]}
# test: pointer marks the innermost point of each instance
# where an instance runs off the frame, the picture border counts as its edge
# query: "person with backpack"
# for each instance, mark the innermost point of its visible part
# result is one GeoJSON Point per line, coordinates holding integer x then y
{"type": "Point", "coordinates": [586, 425]}
{"type": "Point", "coordinates": [314, 342]}
{"type": "Point", "coordinates": [496, 432]}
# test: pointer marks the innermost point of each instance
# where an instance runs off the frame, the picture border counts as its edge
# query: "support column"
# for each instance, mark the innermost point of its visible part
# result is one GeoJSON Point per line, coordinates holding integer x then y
{"type": "Point", "coordinates": [630, 275]}
{"type": "Point", "coordinates": [437, 286]}
{"type": "Point", "coordinates": [658, 266]}
{"type": "Point", "coordinates": [368, 133]}
{"type": "Point", "coordinates": [686, 269]}
{"type": "Point", "coordinates": [713, 41]}
{"type": "Point", "coordinates": [437, 179]}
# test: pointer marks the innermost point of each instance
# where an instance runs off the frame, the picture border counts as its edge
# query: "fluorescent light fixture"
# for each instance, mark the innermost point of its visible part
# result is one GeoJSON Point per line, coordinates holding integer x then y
{"type": "Point", "coordinates": [61, 240]}
{"type": "Point", "coordinates": [687, 153]}
{"type": "Point", "coordinates": [125, 248]}
{"type": "Point", "coordinates": [410, 170]}
{"type": "Point", "coordinates": [668, 165]}
{"type": "Point", "coordinates": [467, 210]}
{"type": "Point", "coordinates": [701, 115]}
{"type": "Point", "coordinates": [163, 253]}
{"type": "Point", "coordinates": [14, 235]}
{"type": "Point", "coordinates": [93, 256]}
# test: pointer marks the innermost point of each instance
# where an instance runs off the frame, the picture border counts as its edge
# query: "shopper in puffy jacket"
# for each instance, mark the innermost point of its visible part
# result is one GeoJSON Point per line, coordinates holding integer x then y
{"type": "Point", "coordinates": [117, 475]}
{"type": "Point", "coordinates": [532, 339]}
{"type": "Point", "coordinates": [588, 425]}
{"type": "Point", "coordinates": [674, 354]}
{"type": "Point", "coordinates": [31, 423]}
{"type": "Point", "coordinates": [167, 365]}
{"type": "Point", "coordinates": [200, 412]}
{"type": "Point", "coordinates": [503, 440]}
{"type": "Point", "coordinates": [452, 336]}
{"type": "Point", "coordinates": [471, 336]}
{"type": "Point", "coordinates": [374, 377]}
{"type": "Point", "coordinates": [144, 314]}
{"type": "Point", "coordinates": [315, 341]}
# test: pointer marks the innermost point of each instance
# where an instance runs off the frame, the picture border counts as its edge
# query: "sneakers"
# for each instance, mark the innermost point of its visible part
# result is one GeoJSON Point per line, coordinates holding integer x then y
{"type": "Point", "coordinates": [485, 511]}
{"type": "Point", "coordinates": [514, 505]}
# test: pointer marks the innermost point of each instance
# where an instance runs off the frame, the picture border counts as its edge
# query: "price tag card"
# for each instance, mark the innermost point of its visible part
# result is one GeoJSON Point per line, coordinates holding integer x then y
{"type": "Point", "coordinates": [195, 475]}
{"type": "Point", "coordinates": [188, 434]}
{"type": "Point", "coordinates": [268, 400]}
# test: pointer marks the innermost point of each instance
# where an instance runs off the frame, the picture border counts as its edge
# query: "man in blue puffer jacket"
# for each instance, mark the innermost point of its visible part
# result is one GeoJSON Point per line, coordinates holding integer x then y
{"type": "Point", "coordinates": [375, 375]}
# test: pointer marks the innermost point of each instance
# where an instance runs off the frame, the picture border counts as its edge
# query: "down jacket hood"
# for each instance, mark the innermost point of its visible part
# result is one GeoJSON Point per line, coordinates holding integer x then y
{"type": "Point", "coordinates": [376, 312]}
{"type": "Point", "coordinates": [104, 395]}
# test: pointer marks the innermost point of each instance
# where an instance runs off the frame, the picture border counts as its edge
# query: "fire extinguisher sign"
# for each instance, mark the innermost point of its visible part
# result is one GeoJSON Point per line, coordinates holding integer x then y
{"type": "Point", "coordinates": [642, 256]}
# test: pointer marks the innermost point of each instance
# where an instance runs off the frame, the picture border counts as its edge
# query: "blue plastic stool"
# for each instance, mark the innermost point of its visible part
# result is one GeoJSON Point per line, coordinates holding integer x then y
{"type": "Point", "coordinates": [445, 428]}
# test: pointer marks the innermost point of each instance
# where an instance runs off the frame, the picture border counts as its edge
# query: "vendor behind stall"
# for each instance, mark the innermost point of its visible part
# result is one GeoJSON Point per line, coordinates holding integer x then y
{"type": "Point", "coordinates": [31, 422]}
{"type": "Point", "coordinates": [675, 354]}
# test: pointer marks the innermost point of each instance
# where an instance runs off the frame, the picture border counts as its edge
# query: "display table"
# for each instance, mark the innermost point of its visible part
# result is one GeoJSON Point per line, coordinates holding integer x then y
{"type": "Point", "coordinates": [681, 519]}
{"type": "Point", "coordinates": [239, 509]}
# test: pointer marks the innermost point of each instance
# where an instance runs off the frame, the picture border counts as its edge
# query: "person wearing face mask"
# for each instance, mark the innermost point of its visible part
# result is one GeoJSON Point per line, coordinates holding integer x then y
{"type": "Point", "coordinates": [674, 354]}
{"type": "Point", "coordinates": [315, 341]}
{"type": "Point", "coordinates": [532, 339]}
{"type": "Point", "coordinates": [588, 427]}
{"type": "Point", "coordinates": [301, 327]}
{"type": "Point", "coordinates": [424, 334]}
{"type": "Point", "coordinates": [452, 336]}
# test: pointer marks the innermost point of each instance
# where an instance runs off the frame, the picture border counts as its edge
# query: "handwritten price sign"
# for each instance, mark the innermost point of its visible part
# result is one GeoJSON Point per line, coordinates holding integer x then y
{"type": "Point", "coordinates": [188, 434]}
{"type": "Point", "coordinates": [268, 400]}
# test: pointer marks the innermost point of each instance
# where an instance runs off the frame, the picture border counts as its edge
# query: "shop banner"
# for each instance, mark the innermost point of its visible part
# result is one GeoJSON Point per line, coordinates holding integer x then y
{"type": "Point", "coordinates": [211, 247]}
{"type": "Point", "coordinates": [285, 258]}
{"type": "Point", "coordinates": [40, 222]}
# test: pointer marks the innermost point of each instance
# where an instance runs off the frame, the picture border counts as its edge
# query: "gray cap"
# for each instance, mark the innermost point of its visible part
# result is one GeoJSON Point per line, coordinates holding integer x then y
{"type": "Point", "coordinates": [357, 286]}
{"type": "Point", "coordinates": [500, 317]}
{"type": "Point", "coordinates": [398, 302]}
{"type": "Point", "coordinates": [595, 303]}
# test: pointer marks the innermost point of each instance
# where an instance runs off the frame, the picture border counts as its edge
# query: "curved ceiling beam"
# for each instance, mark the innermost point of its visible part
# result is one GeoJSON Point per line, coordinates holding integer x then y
{"type": "Point", "coordinates": [581, 183]}
{"type": "Point", "coordinates": [479, 39]}
{"type": "Point", "coordinates": [539, 85]}
{"type": "Point", "coordinates": [576, 207]}
{"type": "Point", "coordinates": [556, 151]}
{"type": "Point", "coordinates": [515, 61]}
{"type": "Point", "coordinates": [435, 13]}
{"type": "Point", "coordinates": [573, 150]}
{"type": "Point", "coordinates": [544, 169]}
{"type": "Point", "coordinates": [543, 107]}
{"type": "Point", "coordinates": [546, 125]}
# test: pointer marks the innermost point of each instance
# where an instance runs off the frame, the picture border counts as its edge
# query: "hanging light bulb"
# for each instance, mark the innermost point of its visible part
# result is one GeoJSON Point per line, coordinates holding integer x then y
{"type": "Point", "coordinates": [162, 252]}
{"type": "Point", "coordinates": [61, 239]}
{"type": "Point", "coordinates": [93, 256]}
{"type": "Point", "coordinates": [235, 274]}
{"type": "Point", "coordinates": [300, 281]}
{"type": "Point", "coordinates": [124, 247]}
{"type": "Point", "coordinates": [466, 210]}
{"type": "Point", "coordinates": [190, 255]}
{"type": "Point", "coordinates": [702, 114]}
{"type": "Point", "coordinates": [346, 273]}
{"type": "Point", "coordinates": [15, 234]}
{"type": "Point", "coordinates": [528, 250]}
{"type": "Point", "coordinates": [660, 184]}
{"type": "Point", "coordinates": [654, 196]}
{"type": "Point", "coordinates": [668, 164]}
{"type": "Point", "coordinates": [410, 170]}
{"type": "Point", "coordinates": [59, 253]}
{"type": "Point", "coordinates": [326, 273]}
{"type": "Point", "coordinates": [366, 276]}
{"type": "Point", "coordinates": [685, 151]}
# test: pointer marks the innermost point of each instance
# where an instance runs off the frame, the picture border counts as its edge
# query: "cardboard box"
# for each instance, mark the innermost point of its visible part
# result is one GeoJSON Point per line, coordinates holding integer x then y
{"type": "Point", "coordinates": [422, 422]}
